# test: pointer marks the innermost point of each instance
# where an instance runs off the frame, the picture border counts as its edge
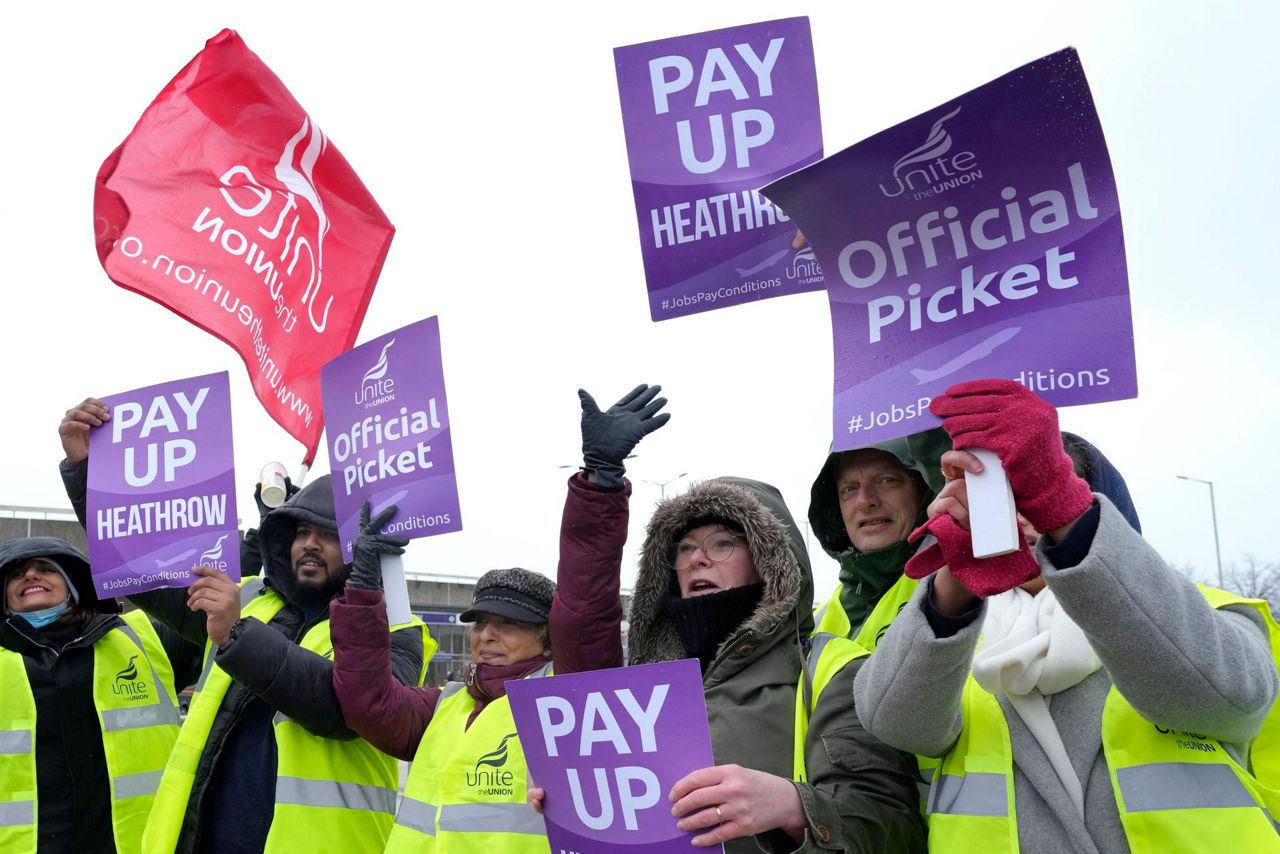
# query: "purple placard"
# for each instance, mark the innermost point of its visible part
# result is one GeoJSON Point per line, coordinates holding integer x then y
{"type": "Point", "coordinates": [979, 239]}
{"type": "Point", "coordinates": [607, 746]}
{"type": "Point", "coordinates": [387, 425]}
{"type": "Point", "coordinates": [161, 493]}
{"type": "Point", "coordinates": [710, 118]}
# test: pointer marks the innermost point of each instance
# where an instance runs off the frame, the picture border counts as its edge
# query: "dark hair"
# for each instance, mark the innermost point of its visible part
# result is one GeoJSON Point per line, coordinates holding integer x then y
{"type": "Point", "coordinates": [78, 613]}
{"type": "Point", "coordinates": [1078, 450]}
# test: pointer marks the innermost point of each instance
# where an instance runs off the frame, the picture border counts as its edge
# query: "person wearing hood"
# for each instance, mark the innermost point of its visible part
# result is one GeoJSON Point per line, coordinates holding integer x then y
{"type": "Point", "coordinates": [88, 706]}
{"type": "Point", "coordinates": [1085, 697]}
{"type": "Point", "coordinates": [724, 578]}
{"type": "Point", "coordinates": [264, 760]}
{"type": "Point", "coordinates": [862, 506]}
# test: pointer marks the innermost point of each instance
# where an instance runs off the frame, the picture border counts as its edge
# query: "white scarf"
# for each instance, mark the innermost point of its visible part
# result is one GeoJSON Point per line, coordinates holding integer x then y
{"type": "Point", "coordinates": [1031, 649]}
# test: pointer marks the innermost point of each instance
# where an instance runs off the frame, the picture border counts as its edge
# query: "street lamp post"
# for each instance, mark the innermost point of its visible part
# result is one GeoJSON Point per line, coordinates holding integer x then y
{"type": "Point", "coordinates": [662, 485]}
{"type": "Point", "coordinates": [1213, 510]}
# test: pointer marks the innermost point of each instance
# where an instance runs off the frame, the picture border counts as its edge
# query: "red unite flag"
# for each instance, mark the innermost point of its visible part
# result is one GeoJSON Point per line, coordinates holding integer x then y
{"type": "Point", "coordinates": [229, 206]}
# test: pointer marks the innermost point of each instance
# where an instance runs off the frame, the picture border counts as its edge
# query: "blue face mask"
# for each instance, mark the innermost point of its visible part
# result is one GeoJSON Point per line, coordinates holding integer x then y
{"type": "Point", "coordinates": [45, 616]}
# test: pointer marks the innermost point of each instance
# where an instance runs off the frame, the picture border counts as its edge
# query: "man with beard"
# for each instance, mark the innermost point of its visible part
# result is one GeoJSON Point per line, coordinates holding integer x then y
{"type": "Point", "coordinates": [264, 760]}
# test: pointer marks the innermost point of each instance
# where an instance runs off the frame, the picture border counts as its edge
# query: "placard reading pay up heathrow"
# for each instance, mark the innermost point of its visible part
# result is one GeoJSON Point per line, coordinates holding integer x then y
{"type": "Point", "coordinates": [709, 118]}
{"type": "Point", "coordinates": [387, 425]}
{"type": "Point", "coordinates": [607, 746]}
{"type": "Point", "coordinates": [979, 239]}
{"type": "Point", "coordinates": [161, 495]}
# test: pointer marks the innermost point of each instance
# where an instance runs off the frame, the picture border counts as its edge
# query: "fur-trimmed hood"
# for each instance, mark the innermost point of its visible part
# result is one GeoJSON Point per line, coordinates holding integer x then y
{"type": "Point", "coordinates": [777, 549]}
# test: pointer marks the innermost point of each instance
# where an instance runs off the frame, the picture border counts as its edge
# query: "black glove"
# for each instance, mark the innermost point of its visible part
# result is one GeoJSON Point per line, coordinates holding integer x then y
{"type": "Point", "coordinates": [609, 437]}
{"type": "Point", "coordinates": [370, 546]}
{"type": "Point", "coordinates": [289, 491]}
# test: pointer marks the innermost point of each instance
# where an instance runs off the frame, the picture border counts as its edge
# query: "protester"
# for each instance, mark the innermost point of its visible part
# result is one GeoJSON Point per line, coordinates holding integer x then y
{"type": "Point", "coordinates": [88, 707]}
{"type": "Point", "coordinates": [447, 804]}
{"type": "Point", "coordinates": [724, 578]}
{"type": "Point", "coordinates": [862, 506]}
{"type": "Point", "coordinates": [264, 759]}
{"type": "Point", "coordinates": [1110, 704]}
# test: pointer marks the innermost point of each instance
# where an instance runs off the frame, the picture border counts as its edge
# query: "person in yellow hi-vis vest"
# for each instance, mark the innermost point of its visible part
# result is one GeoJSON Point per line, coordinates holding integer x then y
{"type": "Point", "coordinates": [862, 506]}
{"type": "Point", "coordinates": [88, 712]}
{"type": "Point", "coordinates": [724, 578]}
{"type": "Point", "coordinates": [466, 786]}
{"type": "Point", "coordinates": [264, 760]}
{"type": "Point", "coordinates": [1086, 697]}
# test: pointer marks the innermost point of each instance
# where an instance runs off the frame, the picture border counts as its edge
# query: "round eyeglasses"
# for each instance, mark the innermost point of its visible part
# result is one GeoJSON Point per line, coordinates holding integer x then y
{"type": "Point", "coordinates": [718, 546]}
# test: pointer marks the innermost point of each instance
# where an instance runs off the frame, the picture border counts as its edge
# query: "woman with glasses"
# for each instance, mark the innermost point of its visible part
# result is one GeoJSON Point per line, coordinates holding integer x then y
{"type": "Point", "coordinates": [724, 578]}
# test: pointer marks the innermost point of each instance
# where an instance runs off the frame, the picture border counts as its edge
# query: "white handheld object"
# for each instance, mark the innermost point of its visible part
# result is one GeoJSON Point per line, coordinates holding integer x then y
{"type": "Point", "coordinates": [396, 589]}
{"type": "Point", "coordinates": [272, 480]}
{"type": "Point", "coordinates": [993, 521]}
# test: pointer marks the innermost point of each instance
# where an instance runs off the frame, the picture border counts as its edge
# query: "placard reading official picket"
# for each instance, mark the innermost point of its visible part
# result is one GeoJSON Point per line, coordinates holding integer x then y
{"type": "Point", "coordinates": [979, 239]}
{"type": "Point", "coordinates": [607, 746]}
{"type": "Point", "coordinates": [709, 118]}
{"type": "Point", "coordinates": [161, 496]}
{"type": "Point", "coordinates": [387, 425]}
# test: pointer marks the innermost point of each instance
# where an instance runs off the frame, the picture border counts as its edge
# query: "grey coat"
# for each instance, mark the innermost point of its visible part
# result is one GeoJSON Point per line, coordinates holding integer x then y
{"type": "Point", "coordinates": [860, 794]}
{"type": "Point", "coordinates": [1179, 662]}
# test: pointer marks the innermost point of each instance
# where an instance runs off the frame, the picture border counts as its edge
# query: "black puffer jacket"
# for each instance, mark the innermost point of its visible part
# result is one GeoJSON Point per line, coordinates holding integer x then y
{"type": "Point", "coordinates": [73, 787]}
{"type": "Point", "coordinates": [267, 665]}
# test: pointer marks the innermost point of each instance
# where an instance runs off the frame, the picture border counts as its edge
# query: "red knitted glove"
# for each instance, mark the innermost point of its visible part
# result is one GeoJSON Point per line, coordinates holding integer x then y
{"type": "Point", "coordinates": [1022, 430]}
{"type": "Point", "coordinates": [982, 578]}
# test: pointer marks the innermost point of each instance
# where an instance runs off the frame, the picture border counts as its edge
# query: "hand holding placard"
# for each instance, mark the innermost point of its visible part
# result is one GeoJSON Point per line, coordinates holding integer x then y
{"type": "Point", "coordinates": [75, 426]}
{"type": "Point", "coordinates": [607, 747]}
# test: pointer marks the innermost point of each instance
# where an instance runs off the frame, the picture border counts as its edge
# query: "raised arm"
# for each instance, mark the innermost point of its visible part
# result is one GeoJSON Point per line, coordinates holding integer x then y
{"type": "Point", "coordinates": [586, 613]}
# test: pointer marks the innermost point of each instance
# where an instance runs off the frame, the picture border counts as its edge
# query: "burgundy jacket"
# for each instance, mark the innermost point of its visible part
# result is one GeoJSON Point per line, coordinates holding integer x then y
{"type": "Point", "coordinates": [586, 615]}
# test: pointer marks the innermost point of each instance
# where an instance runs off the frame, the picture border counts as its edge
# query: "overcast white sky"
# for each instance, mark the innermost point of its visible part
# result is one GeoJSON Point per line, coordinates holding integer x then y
{"type": "Point", "coordinates": [491, 136]}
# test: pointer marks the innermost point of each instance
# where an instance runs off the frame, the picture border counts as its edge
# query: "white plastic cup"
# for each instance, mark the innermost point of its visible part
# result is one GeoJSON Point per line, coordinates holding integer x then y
{"type": "Point", "coordinates": [273, 491]}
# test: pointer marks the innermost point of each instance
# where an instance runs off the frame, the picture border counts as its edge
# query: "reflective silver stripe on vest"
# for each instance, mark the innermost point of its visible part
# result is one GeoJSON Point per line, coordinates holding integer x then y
{"type": "Point", "coordinates": [817, 644]}
{"type": "Point", "coordinates": [1181, 786]}
{"type": "Point", "coordinates": [17, 813]}
{"type": "Point", "coordinates": [491, 818]}
{"type": "Point", "coordinates": [822, 612]}
{"type": "Point", "coordinates": [155, 714]}
{"type": "Point", "coordinates": [544, 670]}
{"type": "Point", "coordinates": [417, 815]}
{"type": "Point", "coordinates": [13, 741]}
{"type": "Point", "coordinates": [971, 794]}
{"type": "Point", "coordinates": [450, 688]}
{"type": "Point", "coordinates": [280, 718]}
{"type": "Point", "coordinates": [330, 793]}
{"type": "Point", "coordinates": [164, 706]}
{"type": "Point", "coordinates": [250, 589]}
{"type": "Point", "coordinates": [132, 785]}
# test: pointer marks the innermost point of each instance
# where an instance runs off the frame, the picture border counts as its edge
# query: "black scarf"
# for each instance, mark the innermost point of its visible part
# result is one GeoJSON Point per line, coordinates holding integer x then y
{"type": "Point", "coordinates": [704, 622]}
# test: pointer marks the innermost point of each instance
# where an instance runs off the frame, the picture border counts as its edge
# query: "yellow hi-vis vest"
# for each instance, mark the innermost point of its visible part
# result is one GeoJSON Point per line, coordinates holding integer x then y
{"type": "Point", "coordinates": [1176, 791]}
{"type": "Point", "coordinates": [466, 789]}
{"type": "Point", "coordinates": [331, 795]}
{"type": "Point", "coordinates": [832, 619]}
{"type": "Point", "coordinates": [827, 656]}
{"type": "Point", "coordinates": [137, 713]}
{"type": "Point", "coordinates": [467, 785]}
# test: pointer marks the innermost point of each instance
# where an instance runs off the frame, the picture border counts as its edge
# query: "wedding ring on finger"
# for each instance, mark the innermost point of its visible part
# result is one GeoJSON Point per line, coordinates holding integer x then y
{"type": "Point", "coordinates": [719, 816]}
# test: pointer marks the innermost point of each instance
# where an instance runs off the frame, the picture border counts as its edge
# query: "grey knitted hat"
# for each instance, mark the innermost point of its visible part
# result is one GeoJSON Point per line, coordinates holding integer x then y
{"type": "Point", "coordinates": [516, 594]}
